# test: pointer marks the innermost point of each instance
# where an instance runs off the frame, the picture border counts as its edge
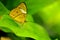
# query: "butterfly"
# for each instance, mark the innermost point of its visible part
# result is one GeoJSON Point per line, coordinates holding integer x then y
{"type": "Point", "coordinates": [19, 13]}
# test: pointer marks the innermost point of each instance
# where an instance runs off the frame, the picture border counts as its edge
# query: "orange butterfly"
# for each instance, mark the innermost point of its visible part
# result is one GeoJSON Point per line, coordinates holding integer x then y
{"type": "Point", "coordinates": [19, 13]}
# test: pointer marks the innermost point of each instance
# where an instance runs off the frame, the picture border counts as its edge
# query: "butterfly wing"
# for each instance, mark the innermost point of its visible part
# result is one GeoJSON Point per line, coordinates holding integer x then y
{"type": "Point", "coordinates": [15, 12]}
{"type": "Point", "coordinates": [19, 13]}
{"type": "Point", "coordinates": [20, 18]}
{"type": "Point", "coordinates": [22, 6]}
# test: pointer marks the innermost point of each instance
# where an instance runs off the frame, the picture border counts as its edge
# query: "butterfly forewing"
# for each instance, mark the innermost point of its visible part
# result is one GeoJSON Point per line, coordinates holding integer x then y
{"type": "Point", "coordinates": [22, 6]}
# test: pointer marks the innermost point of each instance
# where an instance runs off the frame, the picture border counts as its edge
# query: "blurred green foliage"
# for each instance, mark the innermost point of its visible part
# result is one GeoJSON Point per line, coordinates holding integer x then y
{"type": "Point", "coordinates": [43, 18]}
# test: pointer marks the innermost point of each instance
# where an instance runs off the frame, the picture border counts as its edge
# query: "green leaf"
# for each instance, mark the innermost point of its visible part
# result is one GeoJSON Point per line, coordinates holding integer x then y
{"type": "Point", "coordinates": [5, 29]}
{"type": "Point", "coordinates": [29, 18]}
{"type": "Point", "coordinates": [3, 9]}
{"type": "Point", "coordinates": [28, 29]}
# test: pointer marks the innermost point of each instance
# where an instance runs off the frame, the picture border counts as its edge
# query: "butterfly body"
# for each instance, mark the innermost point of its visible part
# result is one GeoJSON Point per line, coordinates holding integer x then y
{"type": "Point", "coordinates": [19, 13]}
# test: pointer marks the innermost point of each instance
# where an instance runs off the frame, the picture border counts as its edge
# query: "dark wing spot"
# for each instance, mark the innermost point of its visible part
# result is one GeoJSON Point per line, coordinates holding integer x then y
{"type": "Point", "coordinates": [16, 11]}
